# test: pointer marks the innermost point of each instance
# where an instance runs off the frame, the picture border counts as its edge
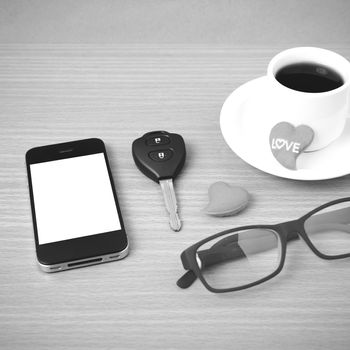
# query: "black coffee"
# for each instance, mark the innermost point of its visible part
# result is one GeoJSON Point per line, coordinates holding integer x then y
{"type": "Point", "coordinates": [309, 77]}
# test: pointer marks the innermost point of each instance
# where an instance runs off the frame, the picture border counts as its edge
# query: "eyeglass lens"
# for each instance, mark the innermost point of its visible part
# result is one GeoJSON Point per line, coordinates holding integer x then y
{"type": "Point", "coordinates": [239, 258]}
{"type": "Point", "coordinates": [329, 229]}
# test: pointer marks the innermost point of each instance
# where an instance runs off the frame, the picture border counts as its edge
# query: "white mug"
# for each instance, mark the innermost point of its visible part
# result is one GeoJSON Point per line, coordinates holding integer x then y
{"type": "Point", "coordinates": [324, 112]}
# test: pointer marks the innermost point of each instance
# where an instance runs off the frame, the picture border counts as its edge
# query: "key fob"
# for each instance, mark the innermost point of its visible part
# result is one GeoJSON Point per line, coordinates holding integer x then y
{"type": "Point", "coordinates": [159, 154]}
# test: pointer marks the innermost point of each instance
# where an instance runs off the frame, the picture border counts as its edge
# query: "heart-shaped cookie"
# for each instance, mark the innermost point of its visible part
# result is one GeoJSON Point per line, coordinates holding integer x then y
{"type": "Point", "coordinates": [225, 200]}
{"type": "Point", "coordinates": [288, 142]}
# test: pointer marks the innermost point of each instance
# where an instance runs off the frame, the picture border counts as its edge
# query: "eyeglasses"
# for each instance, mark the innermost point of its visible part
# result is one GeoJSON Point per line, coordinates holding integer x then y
{"type": "Point", "coordinates": [246, 256]}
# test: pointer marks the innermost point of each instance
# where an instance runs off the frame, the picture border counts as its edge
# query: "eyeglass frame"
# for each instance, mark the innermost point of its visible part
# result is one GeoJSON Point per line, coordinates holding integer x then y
{"type": "Point", "coordinates": [286, 231]}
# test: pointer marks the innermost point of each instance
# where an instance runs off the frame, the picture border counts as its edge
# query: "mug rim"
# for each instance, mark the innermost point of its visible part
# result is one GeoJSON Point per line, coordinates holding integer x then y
{"type": "Point", "coordinates": [271, 69]}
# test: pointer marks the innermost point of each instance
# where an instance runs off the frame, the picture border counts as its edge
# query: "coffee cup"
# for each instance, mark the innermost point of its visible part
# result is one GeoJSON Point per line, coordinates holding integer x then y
{"type": "Point", "coordinates": [300, 101]}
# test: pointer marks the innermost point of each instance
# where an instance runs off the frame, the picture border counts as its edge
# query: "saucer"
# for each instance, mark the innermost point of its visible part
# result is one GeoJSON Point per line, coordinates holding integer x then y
{"type": "Point", "coordinates": [241, 121]}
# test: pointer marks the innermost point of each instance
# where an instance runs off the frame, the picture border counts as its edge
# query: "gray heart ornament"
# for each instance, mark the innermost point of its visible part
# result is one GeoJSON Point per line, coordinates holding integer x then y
{"type": "Point", "coordinates": [225, 200]}
{"type": "Point", "coordinates": [287, 142]}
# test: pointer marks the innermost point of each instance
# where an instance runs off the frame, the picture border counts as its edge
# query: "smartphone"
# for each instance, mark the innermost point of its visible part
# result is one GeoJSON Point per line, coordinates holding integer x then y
{"type": "Point", "coordinates": [76, 216]}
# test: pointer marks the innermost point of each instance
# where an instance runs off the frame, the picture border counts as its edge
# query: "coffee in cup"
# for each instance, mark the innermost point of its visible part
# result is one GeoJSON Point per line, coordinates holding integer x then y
{"type": "Point", "coordinates": [309, 77]}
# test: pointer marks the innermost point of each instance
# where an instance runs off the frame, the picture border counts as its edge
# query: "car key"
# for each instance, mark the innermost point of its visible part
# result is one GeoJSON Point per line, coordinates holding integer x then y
{"type": "Point", "coordinates": [161, 155]}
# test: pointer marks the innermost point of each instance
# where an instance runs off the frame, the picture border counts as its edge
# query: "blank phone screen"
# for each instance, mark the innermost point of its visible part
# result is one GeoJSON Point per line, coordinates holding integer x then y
{"type": "Point", "coordinates": [73, 198]}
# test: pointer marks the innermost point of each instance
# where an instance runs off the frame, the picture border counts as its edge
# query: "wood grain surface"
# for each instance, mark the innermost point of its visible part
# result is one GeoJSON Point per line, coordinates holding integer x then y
{"type": "Point", "coordinates": [57, 93]}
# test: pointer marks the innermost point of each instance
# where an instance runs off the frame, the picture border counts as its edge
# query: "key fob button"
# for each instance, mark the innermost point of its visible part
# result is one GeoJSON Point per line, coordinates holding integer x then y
{"type": "Point", "coordinates": [158, 140]}
{"type": "Point", "coordinates": [161, 156]}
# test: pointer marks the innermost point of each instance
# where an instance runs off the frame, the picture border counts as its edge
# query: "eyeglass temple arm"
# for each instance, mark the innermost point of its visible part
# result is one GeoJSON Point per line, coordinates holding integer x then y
{"type": "Point", "coordinates": [220, 251]}
{"type": "Point", "coordinates": [186, 280]}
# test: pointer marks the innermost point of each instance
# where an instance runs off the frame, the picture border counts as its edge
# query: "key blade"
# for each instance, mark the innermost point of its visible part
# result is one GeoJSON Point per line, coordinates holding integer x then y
{"type": "Point", "coordinates": [167, 187]}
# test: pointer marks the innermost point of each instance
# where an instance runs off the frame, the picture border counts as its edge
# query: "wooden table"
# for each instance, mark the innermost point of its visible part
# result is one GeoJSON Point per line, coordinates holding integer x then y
{"type": "Point", "coordinates": [57, 93]}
